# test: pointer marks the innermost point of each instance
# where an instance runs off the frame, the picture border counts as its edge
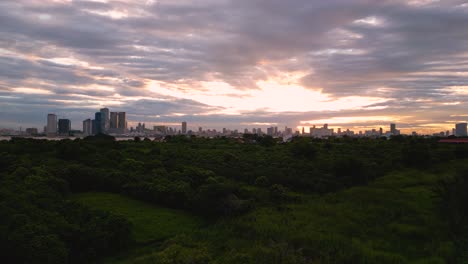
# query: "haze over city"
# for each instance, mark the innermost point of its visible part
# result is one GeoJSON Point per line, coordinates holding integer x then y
{"type": "Point", "coordinates": [358, 64]}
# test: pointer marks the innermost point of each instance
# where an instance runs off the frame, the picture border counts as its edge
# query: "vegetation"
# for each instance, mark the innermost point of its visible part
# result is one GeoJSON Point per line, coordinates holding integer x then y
{"type": "Point", "coordinates": [149, 223]}
{"type": "Point", "coordinates": [254, 200]}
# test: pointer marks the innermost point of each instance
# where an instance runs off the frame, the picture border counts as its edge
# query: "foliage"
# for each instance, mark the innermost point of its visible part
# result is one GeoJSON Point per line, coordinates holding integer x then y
{"type": "Point", "coordinates": [150, 223]}
{"type": "Point", "coordinates": [255, 200]}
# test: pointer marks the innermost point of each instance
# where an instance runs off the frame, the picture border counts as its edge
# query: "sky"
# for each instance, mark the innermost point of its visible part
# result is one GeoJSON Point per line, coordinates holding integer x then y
{"type": "Point", "coordinates": [356, 64]}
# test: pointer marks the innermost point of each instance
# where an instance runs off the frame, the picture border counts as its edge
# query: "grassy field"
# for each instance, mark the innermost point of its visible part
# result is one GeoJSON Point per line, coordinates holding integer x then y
{"type": "Point", "coordinates": [150, 223]}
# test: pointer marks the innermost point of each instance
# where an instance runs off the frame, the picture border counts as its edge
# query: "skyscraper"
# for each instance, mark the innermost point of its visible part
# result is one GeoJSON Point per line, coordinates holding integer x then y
{"type": "Point", "coordinates": [270, 131]}
{"type": "Point", "coordinates": [461, 130]}
{"type": "Point", "coordinates": [97, 127]}
{"type": "Point", "coordinates": [104, 120]}
{"type": "Point", "coordinates": [184, 127]}
{"type": "Point", "coordinates": [114, 121]}
{"type": "Point", "coordinates": [87, 127]}
{"type": "Point", "coordinates": [64, 127]}
{"type": "Point", "coordinates": [122, 122]}
{"type": "Point", "coordinates": [393, 129]}
{"type": "Point", "coordinates": [51, 125]}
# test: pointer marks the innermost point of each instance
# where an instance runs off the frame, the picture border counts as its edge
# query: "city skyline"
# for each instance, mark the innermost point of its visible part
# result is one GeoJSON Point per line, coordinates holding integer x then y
{"type": "Point", "coordinates": [354, 64]}
{"type": "Point", "coordinates": [115, 123]}
{"type": "Point", "coordinates": [111, 125]}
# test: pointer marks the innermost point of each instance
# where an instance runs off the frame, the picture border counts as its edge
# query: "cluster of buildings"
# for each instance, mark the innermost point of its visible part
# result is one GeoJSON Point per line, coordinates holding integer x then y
{"type": "Point", "coordinates": [161, 130]}
{"type": "Point", "coordinates": [106, 122]}
{"type": "Point", "coordinates": [115, 123]}
{"type": "Point", "coordinates": [54, 127]}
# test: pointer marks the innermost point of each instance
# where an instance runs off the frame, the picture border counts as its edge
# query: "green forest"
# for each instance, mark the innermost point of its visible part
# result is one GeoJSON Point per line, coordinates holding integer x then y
{"type": "Point", "coordinates": [223, 200]}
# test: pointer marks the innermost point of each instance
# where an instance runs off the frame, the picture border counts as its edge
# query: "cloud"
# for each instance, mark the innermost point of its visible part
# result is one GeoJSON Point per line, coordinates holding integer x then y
{"type": "Point", "coordinates": [379, 58]}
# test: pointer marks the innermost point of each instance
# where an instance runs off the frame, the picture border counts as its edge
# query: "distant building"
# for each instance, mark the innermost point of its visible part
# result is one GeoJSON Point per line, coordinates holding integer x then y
{"type": "Point", "coordinates": [287, 131]}
{"type": "Point", "coordinates": [114, 120]}
{"type": "Point", "coordinates": [321, 132]}
{"type": "Point", "coordinates": [461, 130]}
{"type": "Point", "coordinates": [162, 130]}
{"type": "Point", "coordinates": [97, 127]}
{"type": "Point", "coordinates": [393, 130]}
{"type": "Point", "coordinates": [122, 123]}
{"type": "Point", "coordinates": [32, 131]}
{"type": "Point", "coordinates": [64, 127]}
{"type": "Point", "coordinates": [270, 131]}
{"type": "Point", "coordinates": [87, 127]}
{"type": "Point", "coordinates": [184, 127]}
{"type": "Point", "coordinates": [105, 120]}
{"type": "Point", "coordinates": [141, 128]}
{"type": "Point", "coordinates": [51, 125]}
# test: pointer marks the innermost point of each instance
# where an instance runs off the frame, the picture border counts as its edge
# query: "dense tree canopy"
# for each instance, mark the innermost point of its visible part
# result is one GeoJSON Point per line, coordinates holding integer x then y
{"type": "Point", "coordinates": [217, 179]}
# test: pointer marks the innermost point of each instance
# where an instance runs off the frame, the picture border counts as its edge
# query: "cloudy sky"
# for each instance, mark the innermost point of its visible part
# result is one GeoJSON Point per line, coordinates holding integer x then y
{"type": "Point", "coordinates": [236, 63]}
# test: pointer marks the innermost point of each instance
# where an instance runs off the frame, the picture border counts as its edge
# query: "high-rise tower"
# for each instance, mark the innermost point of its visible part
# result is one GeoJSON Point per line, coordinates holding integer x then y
{"type": "Point", "coordinates": [51, 125]}
{"type": "Point", "coordinates": [104, 120]}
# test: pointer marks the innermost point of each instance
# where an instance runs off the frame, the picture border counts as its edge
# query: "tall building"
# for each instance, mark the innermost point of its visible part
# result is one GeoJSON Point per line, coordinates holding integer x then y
{"type": "Point", "coordinates": [184, 127]}
{"type": "Point", "coordinates": [461, 130]}
{"type": "Point", "coordinates": [393, 129]}
{"type": "Point", "coordinates": [51, 125]}
{"type": "Point", "coordinates": [270, 131]}
{"type": "Point", "coordinates": [114, 120]}
{"type": "Point", "coordinates": [64, 127]}
{"type": "Point", "coordinates": [97, 127]}
{"type": "Point", "coordinates": [87, 127]}
{"type": "Point", "coordinates": [122, 122]}
{"type": "Point", "coordinates": [105, 120]}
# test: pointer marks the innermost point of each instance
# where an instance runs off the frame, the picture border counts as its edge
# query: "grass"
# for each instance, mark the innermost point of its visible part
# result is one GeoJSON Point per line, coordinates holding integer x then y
{"type": "Point", "coordinates": [149, 223]}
